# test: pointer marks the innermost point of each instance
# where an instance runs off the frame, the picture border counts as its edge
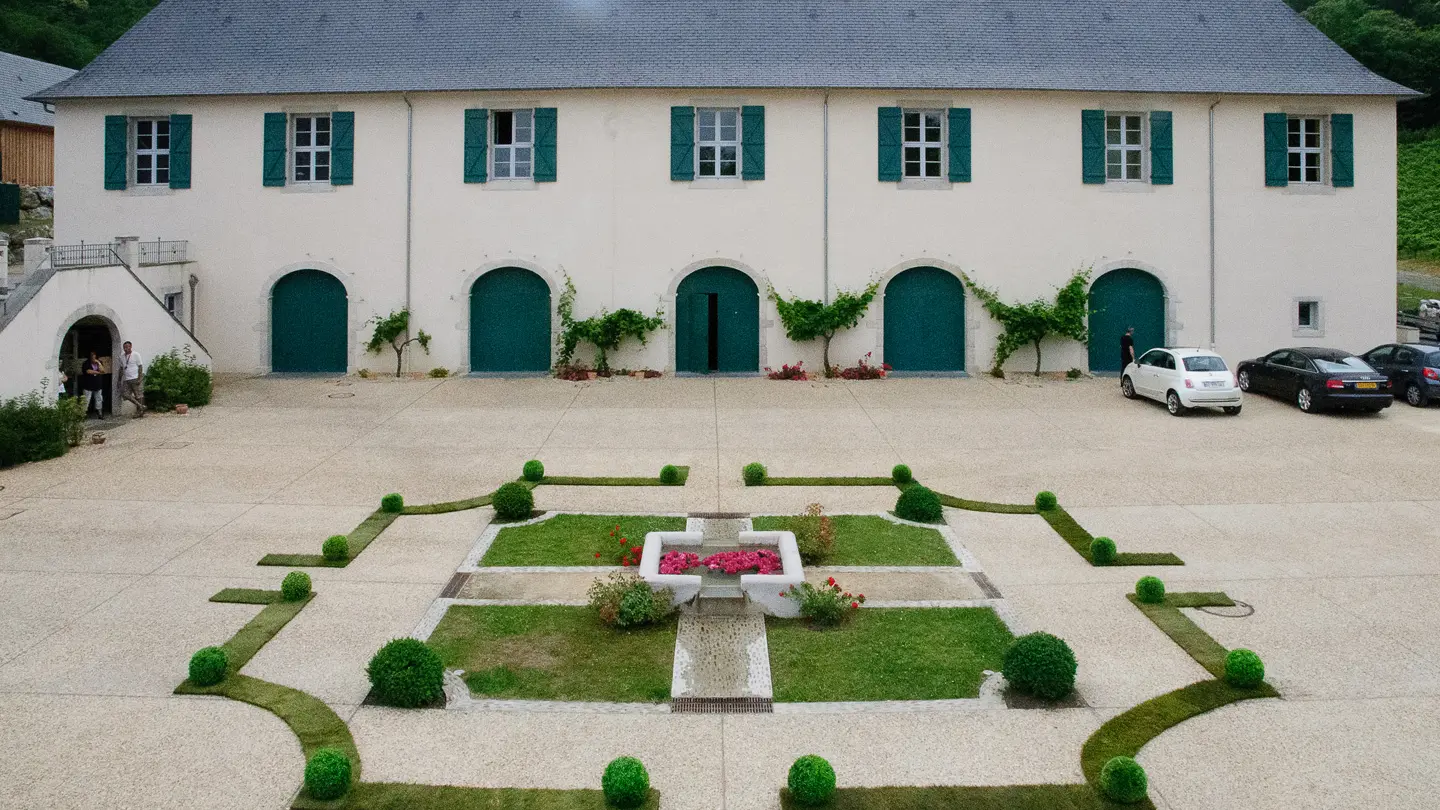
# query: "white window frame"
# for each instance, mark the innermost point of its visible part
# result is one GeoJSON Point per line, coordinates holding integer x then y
{"type": "Point", "coordinates": [153, 152]}
{"type": "Point", "coordinates": [505, 163]}
{"type": "Point", "coordinates": [1316, 327]}
{"type": "Point", "coordinates": [312, 151]}
{"type": "Point", "coordinates": [923, 144]}
{"type": "Point", "coordinates": [1123, 149]}
{"type": "Point", "coordinates": [178, 296]}
{"type": "Point", "coordinates": [718, 143]}
{"type": "Point", "coordinates": [1318, 151]}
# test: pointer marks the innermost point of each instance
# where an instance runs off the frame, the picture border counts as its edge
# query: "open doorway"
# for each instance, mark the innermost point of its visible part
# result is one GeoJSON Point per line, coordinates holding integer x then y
{"type": "Point", "coordinates": [90, 334]}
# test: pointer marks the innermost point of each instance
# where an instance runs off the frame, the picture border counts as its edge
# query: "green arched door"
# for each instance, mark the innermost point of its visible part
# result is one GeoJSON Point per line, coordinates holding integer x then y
{"type": "Point", "coordinates": [510, 321]}
{"type": "Point", "coordinates": [308, 323]}
{"type": "Point", "coordinates": [717, 322]}
{"type": "Point", "coordinates": [925, 321]}
{"type": "Point", "coordinates": [1118, 300]}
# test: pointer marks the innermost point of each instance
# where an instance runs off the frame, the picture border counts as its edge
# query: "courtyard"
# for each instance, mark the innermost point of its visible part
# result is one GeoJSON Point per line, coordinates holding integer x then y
{"type": "Point", "coordinates": [1326, 525]}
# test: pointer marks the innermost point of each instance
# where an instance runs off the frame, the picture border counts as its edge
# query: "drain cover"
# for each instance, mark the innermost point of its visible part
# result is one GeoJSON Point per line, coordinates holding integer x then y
{"type": "Point", "coordinates": [1239, 611]}
{"type": "Point", "coordinates": [730, 705]}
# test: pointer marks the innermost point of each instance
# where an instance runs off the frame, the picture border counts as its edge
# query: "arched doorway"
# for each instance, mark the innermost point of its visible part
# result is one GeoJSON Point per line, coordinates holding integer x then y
{"type": "Point", "coordinates": [510, 322]}
{"type": "Point", "coordinates": [1119, 300]}
{"type": "Point", "coordinates": [717, 322]}
{"type": "Point", "coordinates": [925, 321]}
{"type": "Point", "coordinates": [91, 333]}
{"type": "Point", "coordinates": [309, 323]}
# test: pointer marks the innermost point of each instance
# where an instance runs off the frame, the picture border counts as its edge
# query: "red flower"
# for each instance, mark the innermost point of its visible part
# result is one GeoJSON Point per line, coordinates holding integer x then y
{"type": "Point", "coordinates": [862, 596]}
{"type": "Point", "coordinates": [854, 604]}
{"type": "Point", "coordinates": [624, 561]}
{"type": "Point", "coordinates": [830, 581]}
{"type": "Point", "coordinates": [847, 594]}
{"type": "Point", "coordinates": [622, 541]}
{"type": "Point", "coordinates": [782, 593]}
{"type": "Point", "coordinates": [597, 555]}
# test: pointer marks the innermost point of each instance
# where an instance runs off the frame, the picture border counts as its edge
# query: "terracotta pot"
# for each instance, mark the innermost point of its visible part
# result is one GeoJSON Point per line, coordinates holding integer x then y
{"type": "Point", "coordinates": [590, 375]}
{"type": "Point", "coordinates": [97, 438]}
{"type": "Point", "coordinates": [182, 409]}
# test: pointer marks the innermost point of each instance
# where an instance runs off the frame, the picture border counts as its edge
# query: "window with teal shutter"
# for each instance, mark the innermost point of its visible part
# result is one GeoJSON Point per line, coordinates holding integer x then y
{"type": "Point", "coordinates": [1277, 153]}
{"type": "Point", "coordinates": [179, 151]}
{"type": "Point", "coordinates": [117, 147]}
{"type": "Point", "coordinates": [959, 125]}
{"type": "Point", "coordinates": [891, 145]}
{"type": "Point", "coordinates": [276, 127]}
{"type": "Point", "coordinates": [1162, 149]}
{"type": "Point", "coordinates": [342, 148]}
{"type": "Point", "coordinates": [477, 145]}
{"type": "Point", "coordinates": [1092, 146]}
{"type": "Point", "coordinates": [545, 144]}
{"type": "Point", "coordinates": [752, 143]}
{"type": "Point", "coordinates": [1342, 150]}
{"type": "Point", "coordinates": [682, 143]}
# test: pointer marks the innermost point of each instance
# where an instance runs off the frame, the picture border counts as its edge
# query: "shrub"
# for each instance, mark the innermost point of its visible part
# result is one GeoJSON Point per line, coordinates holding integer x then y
{"type": "Point", "coordinates": [828, 605]}
{"type": "Point", "coordinates": [1244, 669]}
{"type": "Point", "coordinates": [33, 428]}
{"type": "Point", "coordinates": [295, 586]}
{"type": "Point", "coordinates": [862, 370]}
{"type": "Point", "coordinates": [1045, 500]}
{"type": "Point", "coordinates": [788, 372]}
{"type": "Point", "coordinates": [625, 783]}
{"type": "Point", "coordinates": [1150, 590]}
{"type": "Point", "coordinates": [533, 470]}
{"type": "Point", "coordinates": [439, 372]}
{"type": "Point", "coordinates": [174, 379]}
{"type": "Point", "coordinates": [1102, 550]}
{"type": "Point", "coordinates": [407, 673]}
{"type": "Point", "coordinates": [1123, 780]}
{"type": "Point", "coordinates": [901, 474]}
{"type": "Point", "coordinates": [336, 547]}
{"type": "Point", "coordinates": [1041, 665]}
{"type": "Point", "coordinates": [1074, 374]}
{"type": "Point", "coordinates": [814, 534]}
{"type": "Point", "coordinates": [811, 780]}
{"type": "Point", "coordinates": [327, 774]}
{"type": "Point", "coordinates": [918, 503]}
{"type": "Point", "coordinates": [513, 501]}
{"type": "Point", "coordinates": [625, 600]}
{"type": "Point", "coordinates": [207, 666]}
{"type": "Point", "coordinates": [392, 503]}
{"type": "Point", "coordinates": [754, 474]}
{"type": "Point", "coordinates": [669, 474]}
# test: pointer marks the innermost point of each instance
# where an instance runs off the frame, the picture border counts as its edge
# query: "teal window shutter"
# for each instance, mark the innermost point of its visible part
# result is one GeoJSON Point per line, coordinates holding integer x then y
{"type": "Point", "coordinates": [544, 144]}
{"type": "Point", "coordinates": [179, 151]}
{"type": "Point", "coordinates": [1092, 146]}
{"type": "Point", "coordinates": [891, 145]}
{"type": "Point", "coordinates": [117, 152]}
{"type": "Point", "coordinates": [1162, 149]}
{"type": "Point", "coordinates": [1342, 150]}
{"type": "Point", "coordinates": [477, 145]}
{"type": "Point", "coordinates": [277, 126]}
{"type": "Point", "coordinates": [1277, 151]}
{"type": "Point", "coordinates": [342, 148]}
{"type": "Point", "coordinates": [959, 125]}
{"type": "Point", "coordinates": [682, 143]}
{"type": "Point", "coordinates": [752, 143]}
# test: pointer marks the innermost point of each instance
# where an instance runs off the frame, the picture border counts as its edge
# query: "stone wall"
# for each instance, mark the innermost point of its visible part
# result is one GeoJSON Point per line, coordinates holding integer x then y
{"type": "Point", "coordinates": [37, 218]}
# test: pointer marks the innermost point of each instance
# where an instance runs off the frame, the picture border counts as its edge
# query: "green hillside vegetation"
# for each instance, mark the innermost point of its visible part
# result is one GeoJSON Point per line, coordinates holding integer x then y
{"type": "Point", "coordinates": [1419, 200]}
{"type": "Point", "coordinates": [66, 32]}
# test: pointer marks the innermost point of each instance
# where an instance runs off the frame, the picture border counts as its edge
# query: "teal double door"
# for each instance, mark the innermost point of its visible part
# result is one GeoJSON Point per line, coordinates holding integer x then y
{"type": "Point", "coordinates": [510, 322]}
{"type": "Point", "coordinates": [309, 323]}
{"type": "Point", "coordinates": [1119, 300]}
{"type": "Point", "coordinates": [717, 322]}
{"type": "Point", "coordinates": [925, 321]}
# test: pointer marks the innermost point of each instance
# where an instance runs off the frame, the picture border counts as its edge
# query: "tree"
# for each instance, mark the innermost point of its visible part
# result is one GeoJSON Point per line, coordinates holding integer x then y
{"type": "Point", "coordinates": [1038, 319]}
{"type": "Point", "coordinates": [1399, 39]}
{"type": "Point", "coordinates": [605, 331]}
{"type": "Point", "coordinates": [806, 320]}
{"type": "Point", "coordinates": [393, 330]}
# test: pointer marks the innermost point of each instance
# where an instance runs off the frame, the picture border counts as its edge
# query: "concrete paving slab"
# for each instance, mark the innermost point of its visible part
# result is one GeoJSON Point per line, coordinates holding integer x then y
{"type": "Point", "coordinates": [292, 427]}
{"type": "Point", "coordinates": [233, 549]}
{"type": "Point", "coordinates": [205, 472]}
{"type": "Point", "coordinates": [894, 586]}
{"type": "Point", "coordinates": [35, 604]}
{"type": "Point", "coordinates": [419, 548]}
{"type": "Point", "coordinates": [363, 475]}
{"type": "Point", "coordinates": [523, 429]}
{"type": "Point", "coordinates": [541, 393]}
{"type": "Point", "coordinates": [623, 428]}
{"type": "Point", "coordinates": [490, 584]}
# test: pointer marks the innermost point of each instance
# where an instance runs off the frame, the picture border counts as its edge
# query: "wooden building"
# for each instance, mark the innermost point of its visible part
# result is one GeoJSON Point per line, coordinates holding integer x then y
{"type": "Point", "coordinates": [27, 128]}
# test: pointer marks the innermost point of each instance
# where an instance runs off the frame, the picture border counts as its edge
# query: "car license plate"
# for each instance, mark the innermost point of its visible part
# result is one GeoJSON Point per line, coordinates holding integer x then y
{"type": "Point", "coordinates": [1214, 383]}
{"type": "Point", "coordinates": [1367, 385]}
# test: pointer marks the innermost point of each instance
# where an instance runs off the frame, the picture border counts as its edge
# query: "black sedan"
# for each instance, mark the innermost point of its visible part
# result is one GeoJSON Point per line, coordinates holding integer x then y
{"type": "Point", "coordinates": [1317, 378]}
{"type": "Point", "coordinates": [1413, 369]}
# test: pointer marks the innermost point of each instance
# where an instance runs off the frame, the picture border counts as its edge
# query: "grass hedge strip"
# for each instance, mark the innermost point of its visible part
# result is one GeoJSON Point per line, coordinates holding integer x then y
{"type": "Point", "coordinates": [986, 506]}
{"type": "Point", "coordinates": [1206, 651]}
{"type": "Point", "coordinates": [243, 645]}
{"type": "Point", "coordinates": [1073, 533]}
{"type": "Point", "coordinates": [980, 797]}
{"type": "Point", "coordinates": [363, 535]}
{"type": "Point", "coordinates": [830, 481]}
{"type": "Point", "coordinates": [447, 506]}
{"type": "Point", "coordinates": [401, 796]}
{"type": "Point", "coordinates": [247, 596]}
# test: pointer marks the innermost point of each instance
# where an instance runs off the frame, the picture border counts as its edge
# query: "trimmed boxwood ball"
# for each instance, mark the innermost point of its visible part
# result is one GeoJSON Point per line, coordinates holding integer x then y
{"type": "Point", "coordinates": [392, 503]}
{"type": "Point", "coordinates": [669, 474]}
{"type": "Point", "coordinates": [918, 503]}
{"type": "Point", "coordinates": [754, 474]}
{"type": "Point", "coordinates": [901, 474]}
{"type": "Point", "coordinates": [207, 666]}
{"type": "Point", "coordinates": [336, 547]}
{"type": "Point", "coordinates": [1244, 669]}
{"type": "Point", "coordinates": [1123, 780]}
{"type": "Point", "coordinates": [295, 586]}
{"type": "Point", "coordinates": [327, 774]}
{"type": "Point", "coordinates": [407, 673]}
{"type": "Point", "coordinates": [625, 783]}
{"type": "Point", "coordinates": [1041, 665]}
{"type": "Point", "coordinates": [533, 470]}
{"type": "Point", "coordinates": [1150, 590]}
{"type": "Point", "coordinates": [811, 781]}
{"type": "Point", "coordinates": [513, 501]}
{"type": "Point", "coordinates": [1045, 500]}
{"type": "Point", "coordinates": [1102, 550]}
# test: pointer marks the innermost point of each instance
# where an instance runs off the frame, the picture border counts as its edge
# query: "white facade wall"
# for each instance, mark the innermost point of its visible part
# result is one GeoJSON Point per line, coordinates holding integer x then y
{"type": "Point", "coordinates": [627, 234]}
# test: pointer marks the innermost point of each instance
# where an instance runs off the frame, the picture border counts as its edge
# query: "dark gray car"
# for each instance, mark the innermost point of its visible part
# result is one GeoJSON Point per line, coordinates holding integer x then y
{"type": "Point", "coordinates": [1413, 369]}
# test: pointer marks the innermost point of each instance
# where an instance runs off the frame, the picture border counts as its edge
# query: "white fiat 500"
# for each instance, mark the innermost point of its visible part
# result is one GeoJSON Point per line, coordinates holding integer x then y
{"type": "Point", "coordinates": [1182, 379]}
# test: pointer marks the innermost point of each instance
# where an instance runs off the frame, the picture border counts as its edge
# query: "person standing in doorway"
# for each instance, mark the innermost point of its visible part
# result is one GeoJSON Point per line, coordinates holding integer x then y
{"type": "Point", "coordinates": [132, 379]}
{"type": "Point", "coordinates": [1127, 347]}
{"type": "Point", "coordinates": [92, 386]}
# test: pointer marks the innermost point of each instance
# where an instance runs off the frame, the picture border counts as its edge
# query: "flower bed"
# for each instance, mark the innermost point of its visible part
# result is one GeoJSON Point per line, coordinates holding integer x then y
{"type": "Point", "coordinates": [862, 370]}
{"type": "Point", "coordinates": [788, 372]}
{"type": "Point", "coordinates": [678, 562]}
{"type": "Point", "coordinates": [734, 562]}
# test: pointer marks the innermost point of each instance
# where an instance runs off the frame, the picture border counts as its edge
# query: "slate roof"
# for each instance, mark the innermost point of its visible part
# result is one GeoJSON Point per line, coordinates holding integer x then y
{"type": "Point", "coordinates": [19, 77]}
{"type": "Point", "coordinates": [223, 47]}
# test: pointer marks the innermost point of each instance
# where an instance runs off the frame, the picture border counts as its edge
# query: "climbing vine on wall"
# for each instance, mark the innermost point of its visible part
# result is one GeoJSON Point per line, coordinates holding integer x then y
{"type": "Point", "coordinates": [1032, 322]}
{"type": "Point", "coordinates": [806, 319]}
{"type": "Point", "coordinates": [605, 331]}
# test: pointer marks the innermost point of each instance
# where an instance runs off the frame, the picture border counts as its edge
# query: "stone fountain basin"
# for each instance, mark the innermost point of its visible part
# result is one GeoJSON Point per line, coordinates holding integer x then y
{"type": "Point", "coordinates": [764, 590]}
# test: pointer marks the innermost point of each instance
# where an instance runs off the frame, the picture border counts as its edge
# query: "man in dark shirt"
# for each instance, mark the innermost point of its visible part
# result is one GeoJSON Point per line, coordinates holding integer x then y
{"type": "Point", "coordinates": [1127, 348]}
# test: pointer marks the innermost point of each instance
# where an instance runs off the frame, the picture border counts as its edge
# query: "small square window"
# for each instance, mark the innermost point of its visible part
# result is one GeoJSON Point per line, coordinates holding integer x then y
{"type": "Point", "coordinates": [1307, 315]}
{"type": "Point", "coordinates": [174, 304]}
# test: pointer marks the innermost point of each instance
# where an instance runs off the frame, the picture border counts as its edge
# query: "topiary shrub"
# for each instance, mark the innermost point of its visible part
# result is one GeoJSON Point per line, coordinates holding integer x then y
{"type": "Point", "coordinates": [295, 586]}
{"type": "Point", "coordinates": [754, 474]}
{"type": "Point", "coordinates": [1045, 500]}
{"type": "Point", "coordinates": [392, 503]}
{"type": "Point", "coordinates": [407, 673]}
{"type": "Point", "coordinates": [207, 666]}
{"type": "Point", "coordinates": [533, 470]}
{"type": "Point", "coordinates": [811, 781]}
{"type": "Point", "coordinates": [336, 547]}
{"type": "Point", "coordinates": [1244, 669]}
{"type": "Point", "coordinates": [1102, 551]}
{"type": "Point", "coordinates": [1123, 780]}
{"type": "Point", "coordinates": [1150, 590]}
{"type": "Point", "coordinates": [327, 774]}
{"type": "Point", "coordinates": [669, 474]}
{"type": "Point", "coordinates": [1041, 665]}
{"type": "Point", "coordinates": [513, 501]}
{"type": "Point", "coordinates": [919, 504]}
{"type": "Point", "coordinates": [176, 378]}
{"type": "Point", "coordinates": [901, 474]}
{"type": "Point", "coordinates": [625, 783]}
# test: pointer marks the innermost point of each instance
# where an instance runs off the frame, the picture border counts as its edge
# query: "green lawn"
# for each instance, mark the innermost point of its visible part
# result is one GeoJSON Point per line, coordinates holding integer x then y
{"type": "Point", "coordinates": [1407, 297]}
{"type": "Point", "coordinates": [399, 796]}
{"type": "Point", "coordinates": [887, 654]}
{"type": "Point", "coordinates": [555, 652]}
{"type": "Point", "coordinates": [998, 797]}
{"type": "Point", "coordinates": [873, 540]}
{"type": "Point", "coordinates": [573, 539]}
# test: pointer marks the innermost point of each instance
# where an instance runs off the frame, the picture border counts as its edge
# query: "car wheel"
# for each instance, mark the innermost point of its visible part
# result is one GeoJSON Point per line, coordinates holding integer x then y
{"type": "Point", "coordinates": [1232, 410]}
{"type": "Point", "coordinates": [1244, 381]}
{"type": "Point", "coordinates": [1304, 401]}
{"type": "Point", "coordinates": [1127, 388]}
{"type": "Point", "coordinates": [1173, 404]}
{"type": "Point", "coordinates": [1414, 395]}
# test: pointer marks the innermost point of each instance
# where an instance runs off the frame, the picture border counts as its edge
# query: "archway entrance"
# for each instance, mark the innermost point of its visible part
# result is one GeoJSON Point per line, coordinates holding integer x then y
{"type": "Point", "coordinates": [717, 322]}
{"type": "Point", "coordinates": [1119, 300]}
{"type": "Point", "coordinates": [510, 322]}
{"type": "Point", "coordinates": [309, 323]}
{"type": "Point", "coordinates": [925, 321]}
{"type": "Point", "coordinates": [91, 333]}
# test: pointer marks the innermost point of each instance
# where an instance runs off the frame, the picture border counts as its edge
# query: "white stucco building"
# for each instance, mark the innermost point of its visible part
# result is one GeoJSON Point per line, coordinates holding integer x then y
{"type": "Point", "coordinates": [1227, 172]}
